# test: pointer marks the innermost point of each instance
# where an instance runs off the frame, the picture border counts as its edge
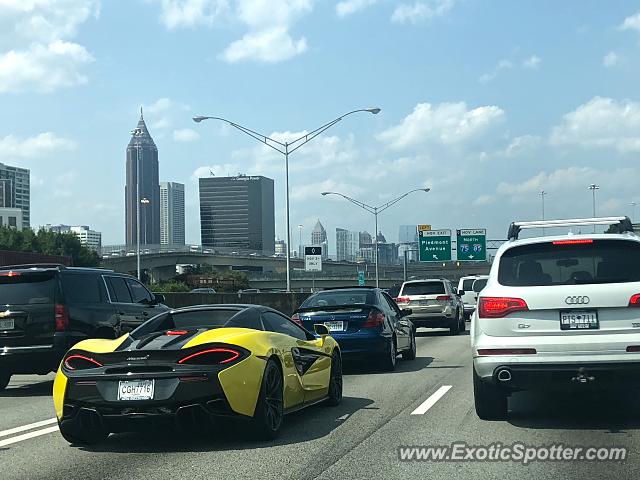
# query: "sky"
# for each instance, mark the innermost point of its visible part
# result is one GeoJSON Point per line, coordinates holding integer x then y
{"type": "Point", "coordinates": [485, 102]}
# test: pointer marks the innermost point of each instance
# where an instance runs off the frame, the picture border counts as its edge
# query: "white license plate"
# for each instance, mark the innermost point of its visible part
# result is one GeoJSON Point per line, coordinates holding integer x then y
{"type": "Point", "coordinates": [424, 302]}
{"type": "Point", "coordinates": [7, 324]}
{"type": "Point", "coordinates": [135, 390]}
{"type": "Point", "coordinates": [579, 320]}
{"type": "Point", "coordinates": [335, 326]}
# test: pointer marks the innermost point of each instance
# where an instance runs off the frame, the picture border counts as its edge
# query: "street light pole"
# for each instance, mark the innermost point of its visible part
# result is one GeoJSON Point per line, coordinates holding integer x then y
{"type": "Point", "coordinates": [145, 201]}
{"type": "Point", "coordinates": [375, 211]}
{"type": "Point", "coordinates": [286, 148]}
{"type": "Point", "coordinates": [593, 187]}
{"type": "Point", "coordinates": [542, 194]}
{"type": "Point", "coordinates": [633, 211]}
{"type": "Point", "coordinates": [300, 241]}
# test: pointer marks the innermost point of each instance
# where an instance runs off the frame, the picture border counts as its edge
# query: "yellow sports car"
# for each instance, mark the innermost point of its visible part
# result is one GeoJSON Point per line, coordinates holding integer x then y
{"type": "Point", "coordinates": [191, 365]}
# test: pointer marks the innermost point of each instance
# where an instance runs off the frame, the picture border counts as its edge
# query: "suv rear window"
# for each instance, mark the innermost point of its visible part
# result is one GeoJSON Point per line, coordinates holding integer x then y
{"type": "Point", "coordinates": [423, 288]}
{"type": "Point", "coordinates": [340, 297]}
{"type": "Point", "coordinates": [82, 288]}
{"type": "Point", "coordinates": [467, 284]}
{"type": "Point", "coordinates": [29, 288]}
{"type": "Point", "coordinates": [570, 263]}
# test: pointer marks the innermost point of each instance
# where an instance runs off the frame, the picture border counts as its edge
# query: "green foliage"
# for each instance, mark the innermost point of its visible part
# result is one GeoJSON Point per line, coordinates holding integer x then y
{"type": "Point", "coordinates": [169, 286]}
{"type": "Point", "coordinates": [223, 280]}
{"type": "Point", "coordinates": [49, 243]}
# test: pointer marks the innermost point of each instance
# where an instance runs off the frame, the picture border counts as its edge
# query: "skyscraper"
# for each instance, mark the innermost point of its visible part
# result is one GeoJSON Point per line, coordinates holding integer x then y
{"type": "Point", "coordinates": [142, 149]}
{"type": "Point", "coordinates": [347, 243]}
{"type": "Point", "coordinates": [237, 213]}
{"type": "Point", "coordinates": [15, 191]}
{"type": "Point", "coordinates": [171, 213]}
{"type": "Point", "coordinates": [319, 239]}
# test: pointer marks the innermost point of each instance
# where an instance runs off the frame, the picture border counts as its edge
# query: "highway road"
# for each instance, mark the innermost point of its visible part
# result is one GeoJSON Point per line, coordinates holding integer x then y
{"type": "Point", "coordinates": [426, 402]}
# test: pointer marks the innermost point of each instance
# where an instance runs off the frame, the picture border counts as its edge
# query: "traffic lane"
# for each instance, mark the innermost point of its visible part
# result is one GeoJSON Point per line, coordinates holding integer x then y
{"type": "Point", "coordinates": [535, 419]}
{"type": "Point", "coordinates": [311, 439]}
{"type": "Point", "coordinates": [26, 399]}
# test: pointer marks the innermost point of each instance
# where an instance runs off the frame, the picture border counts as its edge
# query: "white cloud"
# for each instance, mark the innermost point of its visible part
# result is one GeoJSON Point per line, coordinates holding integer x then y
{"type": "Point", "coordinates": [185, 135]}
{"type": "Point", "coordinates": [611, 59]}
{"type": "Point", "coordinates": [521, 144]}
{"type": "Point", "coordinates": [446, 123]}
{"type": "Point", "coordinates": [159, 106]}
{"type": "Point", "coordinates": [421, 11]}
{"type": "Point", "coordinates": [269, 46]}
{"type": "Point", "coordinates": [349, 7]}
{"type": "Point", "coordinates": [601, 123]}
{"type": "Point", "coordinates": [532, 62]}
{"type": "Point", "coordinates": [483, 200]}
{"type": "Point", "coordinates": [33, 147]}
{"type": "Point", "coordinates": [35, 51]}
{"type": "Point", "coordinates": [631, 23]}
{"type": "Point", "coordinates": [191, 13]}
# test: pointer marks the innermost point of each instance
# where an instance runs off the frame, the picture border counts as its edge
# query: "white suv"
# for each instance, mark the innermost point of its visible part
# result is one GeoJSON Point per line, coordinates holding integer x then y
{"type": "Point", "coordinates": [468, 289]}
{"type": "Point", "coordinates": [558, 311]}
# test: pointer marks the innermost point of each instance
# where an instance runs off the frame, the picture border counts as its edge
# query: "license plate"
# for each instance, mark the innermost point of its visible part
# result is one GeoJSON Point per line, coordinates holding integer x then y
{"type": "Point", "coordinates": [135, 390]}
{"type": "Point", "coordinates": [335, 326]}
{"type": "Point", "coordinates": [424, 302]}
{"type": "Point", "coordinates": [7, 324]}
{"type": "Point", "coordinates": [579, 320]}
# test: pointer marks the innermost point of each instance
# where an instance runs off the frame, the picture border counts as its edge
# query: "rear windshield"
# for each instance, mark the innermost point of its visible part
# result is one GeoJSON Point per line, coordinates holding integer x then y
{"type": "Point", "coordinates": [467, 284]}
{"type": "Point", "coordinates": [340, 297]}
{"type": "Point", "coordinates": [423, 288]}
{"type": "Point", "coordinates": [564, 263]}
{"type": "Point", "coordinates": [478, 285]}
{"type": "Point", "coordinates": [185, 321]}
{"type": "Point", "coordinates": [25, 289]}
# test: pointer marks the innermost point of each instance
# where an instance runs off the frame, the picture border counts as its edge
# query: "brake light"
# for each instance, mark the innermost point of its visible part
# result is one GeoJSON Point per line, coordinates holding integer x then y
{"type": "Point", "coordinates": [296, 319]}
{"type": "Point", "coordinates": [507, 351]}
{"type": "Point", "coordinates": [582, 241]}
{"type": "Point", "coordinates": [374, 320]}
{"type": "Point", "coordinates": [443, 298]}
{"type": "Point", "coordinates": [62, 318]}
{"type": "Point", "coordinates": [403, 300]}
{"type": "Point", "coordinates": [10, 273]}
{"type": "Point", "coordinates": [634, 301]}
{"type": "Point", "coordinates": [80, 362]}
{"type": "Point", "coordinates": [211, 356]}
{"type": "Point", "coordinates": [176, 332]}
{"type": "Point", "coordinates": [498, 307]}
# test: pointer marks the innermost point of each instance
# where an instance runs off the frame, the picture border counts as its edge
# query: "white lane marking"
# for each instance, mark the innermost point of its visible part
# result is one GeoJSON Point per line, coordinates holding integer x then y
{"type": "Point", "coordinates": [27, 436]}
{"type": "Point", "coordinates": [431, 401]}
{"type": "Point", "coordinates": [24, 428]}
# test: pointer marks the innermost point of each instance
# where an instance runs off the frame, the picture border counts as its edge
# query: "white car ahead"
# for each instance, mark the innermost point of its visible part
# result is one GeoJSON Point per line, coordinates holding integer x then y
{"type": "Point", "coordinates": [468, 289]}
{"type": "Point", "coordinates": [558, 311]}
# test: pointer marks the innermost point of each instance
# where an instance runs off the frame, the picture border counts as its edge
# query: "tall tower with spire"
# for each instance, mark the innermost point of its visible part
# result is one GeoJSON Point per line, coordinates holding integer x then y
{"type": "Point", "coordinates": [142, 156]}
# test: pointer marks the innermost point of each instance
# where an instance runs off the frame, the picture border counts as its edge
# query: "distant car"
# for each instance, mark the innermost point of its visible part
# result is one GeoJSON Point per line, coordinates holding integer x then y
{"type": "Point", "coordinates": [434, 304]}
{"type": "Point", "coordinates": [47, 309]}
{"type": "Point", "coordinates": [365, 321]}
{"type": "Point", "coordinates": [249, 290]}
{"type": "Point", "coordinates": [469, 294]}
{"type": "Point", "coordinates": [203, 290]}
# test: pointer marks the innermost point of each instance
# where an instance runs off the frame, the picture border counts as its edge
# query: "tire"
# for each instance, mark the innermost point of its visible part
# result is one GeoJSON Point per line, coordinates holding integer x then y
{"type": "Point", "coordinates": [490, 401]}
{"type": "Point", "coordinates": [463, 325]}
{"type": "Point", "coordinates": [388, 363]}
{"type": "Point", "coordinates": [334, 396]}
{"type": "Point", "coordinates": [455, 328]}
{"type": "Point", "coordinates": [4, 380]}
{"type": "Point", "coordinates": [269, 413]}
{"type": "Point", "coordinates": [76, 436]}
{"type": "Point", "coordinates": [411, 353]}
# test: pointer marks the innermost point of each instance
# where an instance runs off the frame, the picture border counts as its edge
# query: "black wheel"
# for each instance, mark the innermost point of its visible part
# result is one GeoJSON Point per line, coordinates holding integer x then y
{"type": "Point", "coordinates": [388, 363]}
{"type": "Point", "coordinates": [463, 326]}
{"type": "Point", "coordinates": [411, 353]}
{"type": "Point", "coordinates": [4, 380]}
{"type": "Point", "coordinates": [335, 381]}
{"type": "Point", "coordinates": [267, 419]}
{"type": "Point", "coordinates": [491, 401]}
{"type": "Point", "coordinates": [75, 435]}
{"type": "Point", "coordinates": [455, 328]}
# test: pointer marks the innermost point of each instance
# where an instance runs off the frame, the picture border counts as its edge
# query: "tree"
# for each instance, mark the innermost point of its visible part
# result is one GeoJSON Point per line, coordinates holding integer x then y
{"type": "Point", "coordinates": [169, 286]}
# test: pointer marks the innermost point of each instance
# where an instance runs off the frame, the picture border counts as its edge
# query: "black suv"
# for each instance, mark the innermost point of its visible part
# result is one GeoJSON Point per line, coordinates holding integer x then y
{"type": "Point", "coordinates": [46, 309]}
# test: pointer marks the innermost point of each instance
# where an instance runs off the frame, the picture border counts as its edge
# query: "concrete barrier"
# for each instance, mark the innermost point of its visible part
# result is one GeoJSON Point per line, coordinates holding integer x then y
{"type": "Point", "coordinates": [283, 302]}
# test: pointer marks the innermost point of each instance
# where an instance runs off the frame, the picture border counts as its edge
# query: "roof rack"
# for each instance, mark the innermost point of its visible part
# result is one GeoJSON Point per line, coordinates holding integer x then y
{"type": "Point", "coordinates": [33, 265]}
{"type": "Point", "coordinates": [623, 223]}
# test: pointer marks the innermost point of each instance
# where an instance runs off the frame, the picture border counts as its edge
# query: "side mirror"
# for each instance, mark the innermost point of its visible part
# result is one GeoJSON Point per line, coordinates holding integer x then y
{"type": "Point", "coordinates": [159, 298]}
{"type": "Point", "coordinates": [406, 312]}
{"type": "Point", "coordinates": [460, 292]}
{"type": "Point", "coordinates": [321, 329]}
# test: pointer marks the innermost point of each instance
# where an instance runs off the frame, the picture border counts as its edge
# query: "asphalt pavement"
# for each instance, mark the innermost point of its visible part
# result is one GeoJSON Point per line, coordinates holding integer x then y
{"type": "Point", "coordinates": [425, 402]}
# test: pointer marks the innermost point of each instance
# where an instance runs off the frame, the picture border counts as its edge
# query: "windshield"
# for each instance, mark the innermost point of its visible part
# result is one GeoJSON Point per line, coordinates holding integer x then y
{"type": "Point", "coordinates": [422, 288]}
{"type": "Point", "coordinates": [24, 289]}
{"type": "Point", "coordinates": [566, 263]}
{"type": "Point", "coordinates": [340, 297]}
{"type": "Point", "coordinates": [185, 321]}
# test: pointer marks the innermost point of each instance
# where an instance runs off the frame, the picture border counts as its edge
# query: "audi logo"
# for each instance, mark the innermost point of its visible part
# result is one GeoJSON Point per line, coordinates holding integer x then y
{"type": "Point", "coordinates": [577, 300]}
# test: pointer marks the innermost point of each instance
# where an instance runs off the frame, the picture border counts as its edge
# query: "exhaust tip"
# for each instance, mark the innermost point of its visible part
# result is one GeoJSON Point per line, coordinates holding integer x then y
{"type": "Point", "coordinates": [504, 375]}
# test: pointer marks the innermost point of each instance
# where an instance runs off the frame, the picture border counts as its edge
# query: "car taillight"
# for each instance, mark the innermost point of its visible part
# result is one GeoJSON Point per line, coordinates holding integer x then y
{"type": "Point", "coordinates": [374, 320]}
{"type": "Point", "coordinates": [176, 332]}
{"type": "Point", "coordinates": [402, 300]}
{"type": "Point", "coordinates": [296, 318]}
{"type": "Point", "coordinates": [507, 351]}
{"type": "Point", "coordinates": [498, 307]}
{"type": "Point", "coordinates": [633, 348]}
{"type": "Point", "coordinates": [634, 301]}
{"type": "Point", "coordinates": [443, 298]}
{"type": "Point", "coordinates": [76, 361]}
{"type": "Point", "coordinates": [211, 356]}
{"type": "Point", "coordinates": [62, 318]}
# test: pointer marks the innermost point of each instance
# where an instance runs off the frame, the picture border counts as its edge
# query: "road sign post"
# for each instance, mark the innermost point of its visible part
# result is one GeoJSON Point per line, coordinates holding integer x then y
{"type": "Point", "coordinates": [434, 245]}
{"type": "Point", "coordinates": [313, 259]}
{"type": "Point", "coordinates": [472, 245]}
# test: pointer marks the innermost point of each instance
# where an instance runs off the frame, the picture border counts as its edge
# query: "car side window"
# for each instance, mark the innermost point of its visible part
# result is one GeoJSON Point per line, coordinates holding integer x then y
{"type": "Point", "coordinates": [139, 293]}
{"type": "Point", "coordinates": [82, 288]}
{"type": "Point", "coordinates": [118, 290]}
{"type": "Point", "coordinates": [279, 324]}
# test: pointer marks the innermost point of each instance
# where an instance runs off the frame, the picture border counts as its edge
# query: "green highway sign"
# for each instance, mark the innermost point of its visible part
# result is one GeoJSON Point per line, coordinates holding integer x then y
{"type": "Point", "coordinates": [435, 245]}
{"type": "Point", "coordinates": [361, 278]}
{"type": "Point", "coordinates": [472, 245]}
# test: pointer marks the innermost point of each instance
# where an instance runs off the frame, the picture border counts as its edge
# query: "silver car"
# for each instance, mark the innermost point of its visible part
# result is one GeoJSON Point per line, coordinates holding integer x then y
{"type": "Point", "coordinates": [435, 304]}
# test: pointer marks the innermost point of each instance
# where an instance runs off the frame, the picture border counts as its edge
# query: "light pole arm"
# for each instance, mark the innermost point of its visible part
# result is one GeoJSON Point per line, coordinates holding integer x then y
{"type": "Point", "coordinates": [383, 207]}
{"type": "Point", "coordinates": [362, 205]}
{"type": "Point", "coordinates": [247, 131]}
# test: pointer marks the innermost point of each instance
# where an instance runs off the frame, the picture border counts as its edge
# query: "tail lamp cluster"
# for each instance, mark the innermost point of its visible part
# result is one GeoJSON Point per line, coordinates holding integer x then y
{"type": "Point", "coordinates": [499, 307]}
